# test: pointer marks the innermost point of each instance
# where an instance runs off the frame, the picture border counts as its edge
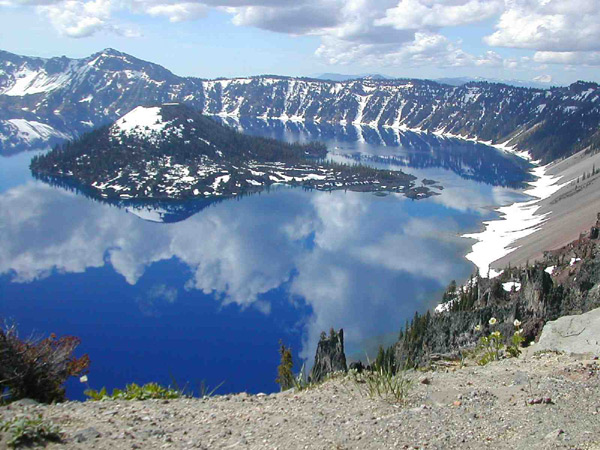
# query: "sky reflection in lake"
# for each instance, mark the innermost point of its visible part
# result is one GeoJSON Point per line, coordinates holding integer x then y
{"type": "Point", "coordinates": [208, 297]}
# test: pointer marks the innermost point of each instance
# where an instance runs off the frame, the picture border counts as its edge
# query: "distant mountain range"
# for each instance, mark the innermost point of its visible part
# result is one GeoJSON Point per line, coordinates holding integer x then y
{"type": "Point", "coordinates": [459, 81]}
{"type": "Point", "coordinates": [342, 77]}
{"type": "Point", "coordinates": [452, 81]}
{"type": "Point", "coordinates": [44, 101]}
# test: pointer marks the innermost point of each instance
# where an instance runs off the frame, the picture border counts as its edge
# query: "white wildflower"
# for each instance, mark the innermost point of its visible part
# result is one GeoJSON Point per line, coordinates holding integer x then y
{"type": "Point", "coordinates": [493, 321]}
{"type": "Point", "coordinates": [517, 323]}
{"type": "Point", "coordinates": [83, 379]}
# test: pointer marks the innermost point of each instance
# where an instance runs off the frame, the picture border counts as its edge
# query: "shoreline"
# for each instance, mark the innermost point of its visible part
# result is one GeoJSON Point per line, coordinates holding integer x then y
{"type": "Point", "coordinates": [515, 221]}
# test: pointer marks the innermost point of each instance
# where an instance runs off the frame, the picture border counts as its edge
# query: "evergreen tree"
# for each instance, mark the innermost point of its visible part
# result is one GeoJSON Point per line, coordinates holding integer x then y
{"type": "Point", "coordinates": [285, 376]}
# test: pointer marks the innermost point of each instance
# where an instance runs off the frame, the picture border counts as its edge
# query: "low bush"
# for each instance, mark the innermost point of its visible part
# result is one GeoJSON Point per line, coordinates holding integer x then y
{"type": "Point", "coordinates": [135, 392]}
{"type": "Point", "coordinates": [27, 431]}
{"type": "Point", "coordinates": [37, 368]}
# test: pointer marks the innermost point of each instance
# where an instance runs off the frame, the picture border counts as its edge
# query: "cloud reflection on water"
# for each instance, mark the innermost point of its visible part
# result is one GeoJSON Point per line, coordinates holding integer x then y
{"type": "Point", "coordinates": [358, 261]}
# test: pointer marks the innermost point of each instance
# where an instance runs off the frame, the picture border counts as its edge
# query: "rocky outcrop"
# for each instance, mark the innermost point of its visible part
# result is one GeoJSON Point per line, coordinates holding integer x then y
{"type": "Point", "coordinates": [566, 282]}
{"type": "Point", "coordinates": [573, 334]}
{"type": "Point", "coordinates": [330, 356]}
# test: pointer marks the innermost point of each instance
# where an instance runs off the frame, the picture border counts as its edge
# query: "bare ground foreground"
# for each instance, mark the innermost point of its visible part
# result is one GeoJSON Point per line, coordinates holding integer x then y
{"type": "Point", "coordinates": [571, 210]}
{"type": "Point", "coordinates": [538, 401]}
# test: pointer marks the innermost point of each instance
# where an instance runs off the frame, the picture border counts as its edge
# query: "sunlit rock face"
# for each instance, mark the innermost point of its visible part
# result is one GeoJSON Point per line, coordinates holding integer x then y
{"type": "Point", "coordinates": [330, 356]}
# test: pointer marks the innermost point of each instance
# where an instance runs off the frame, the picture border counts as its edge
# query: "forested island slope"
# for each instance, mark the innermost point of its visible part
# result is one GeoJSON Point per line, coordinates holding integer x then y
{"type": "Point", "coordinates": [172, 152]}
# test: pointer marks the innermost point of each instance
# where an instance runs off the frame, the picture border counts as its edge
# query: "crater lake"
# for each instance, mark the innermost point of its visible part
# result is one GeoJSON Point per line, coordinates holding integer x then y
{"type": "Point", "coordinates": [202, 292]}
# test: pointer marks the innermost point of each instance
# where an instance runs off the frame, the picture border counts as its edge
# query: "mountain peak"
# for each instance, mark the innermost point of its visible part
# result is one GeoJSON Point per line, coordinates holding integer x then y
{"type": "Point", "coordinates": [111, 52]}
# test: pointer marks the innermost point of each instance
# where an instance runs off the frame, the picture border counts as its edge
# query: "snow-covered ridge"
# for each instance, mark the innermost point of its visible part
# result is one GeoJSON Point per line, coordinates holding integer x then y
{"type": "Point", "coordinates": [31, 132]}
{"type": "Point", "coordinates": [108, 84]}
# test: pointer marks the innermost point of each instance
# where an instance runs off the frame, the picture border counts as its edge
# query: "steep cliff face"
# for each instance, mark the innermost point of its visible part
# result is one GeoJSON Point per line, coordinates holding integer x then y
{"type": "Point", "coordinates": [70, 96]}
{"type": "Point", "coordinates": [330, 356]}
{"type": "Point", "coordinates": [566, 282]}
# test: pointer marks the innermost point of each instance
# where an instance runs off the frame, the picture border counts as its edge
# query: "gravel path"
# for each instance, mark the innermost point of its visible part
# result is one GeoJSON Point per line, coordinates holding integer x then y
{"type": "Point", "coordinates": [469, 408]}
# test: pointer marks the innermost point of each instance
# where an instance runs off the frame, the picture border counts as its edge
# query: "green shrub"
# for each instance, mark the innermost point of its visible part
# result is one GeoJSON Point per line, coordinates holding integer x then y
{"type": "Point", "coordinates": [492, 347]}
{"type": "Point", "coordinates": [135, 392]}
{"type": "Point", "coordinates": [27, 431]}
{"type": "Point", "coordinates": [516, 341]}
{"type": "Point", "coordinates": [37, 368]}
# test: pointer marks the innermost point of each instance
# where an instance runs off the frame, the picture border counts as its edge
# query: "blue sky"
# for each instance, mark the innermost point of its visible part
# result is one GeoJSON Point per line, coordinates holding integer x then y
{"type": "Point", "coordinates": [557, 41]}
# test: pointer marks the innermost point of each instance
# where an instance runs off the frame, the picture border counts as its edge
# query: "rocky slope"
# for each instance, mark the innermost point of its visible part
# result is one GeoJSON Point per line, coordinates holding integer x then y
{"type": "Point", "coordinates": [545, 401]}
{"type": "Point", "coordinates": [45, 100]}
{"type": "Point", "coordinates": [565, 282]}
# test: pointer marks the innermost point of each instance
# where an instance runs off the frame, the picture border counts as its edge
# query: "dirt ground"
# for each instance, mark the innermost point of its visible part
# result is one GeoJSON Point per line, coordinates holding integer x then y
{"type": "Point", "coordinates": [538, 401]}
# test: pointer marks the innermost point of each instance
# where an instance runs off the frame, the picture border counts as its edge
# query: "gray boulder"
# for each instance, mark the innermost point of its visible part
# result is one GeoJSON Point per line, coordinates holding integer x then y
{"type": "Point", "coordinates": [86, 434]}
{"type": "Point", "coordinates": [573, 334]}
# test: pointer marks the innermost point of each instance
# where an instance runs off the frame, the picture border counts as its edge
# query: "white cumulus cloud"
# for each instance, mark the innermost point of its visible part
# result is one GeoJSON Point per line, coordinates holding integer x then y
{"type": "Point", "coordinates": [549, 25]}
{"type": "Point", "coordinates": [389, 32]}
{"type": "Point", "coordinates": [574, 58]}
{"type": "Point", "coordinates": [419, 14]}
{"type": "Point", "coordinates": [76, 18]}
{"type": "Point", "coordinates": [178, 12]}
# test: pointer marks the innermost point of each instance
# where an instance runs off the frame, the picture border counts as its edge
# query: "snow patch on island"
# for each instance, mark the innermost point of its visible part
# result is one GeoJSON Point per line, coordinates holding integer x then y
{"type": "Point", "coordinates": [141, 120]}
{"type": "Point", "coordinates": [149, 213]}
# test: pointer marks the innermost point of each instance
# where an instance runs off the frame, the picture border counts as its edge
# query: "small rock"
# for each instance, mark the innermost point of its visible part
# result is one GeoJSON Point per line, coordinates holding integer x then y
{"type": "Point", "coordinates": [25, 402]}
{"type": "Point", "coordinates": [425, 380]}
{"type": "Point", "coordinates": [86, 434]}
{"type": "Point", "coordinates": [554, 434]}
{"type": "Point", "coordinates": [457, 403]}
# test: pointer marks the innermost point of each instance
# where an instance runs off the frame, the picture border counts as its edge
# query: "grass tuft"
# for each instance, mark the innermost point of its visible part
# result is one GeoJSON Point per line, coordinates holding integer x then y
{"type": "Point", "coordinates": [391, 387]}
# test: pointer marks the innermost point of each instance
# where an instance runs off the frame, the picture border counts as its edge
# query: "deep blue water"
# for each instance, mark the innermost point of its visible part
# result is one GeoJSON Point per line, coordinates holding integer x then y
{"type": "Point", "coordinates": [208, 295]}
